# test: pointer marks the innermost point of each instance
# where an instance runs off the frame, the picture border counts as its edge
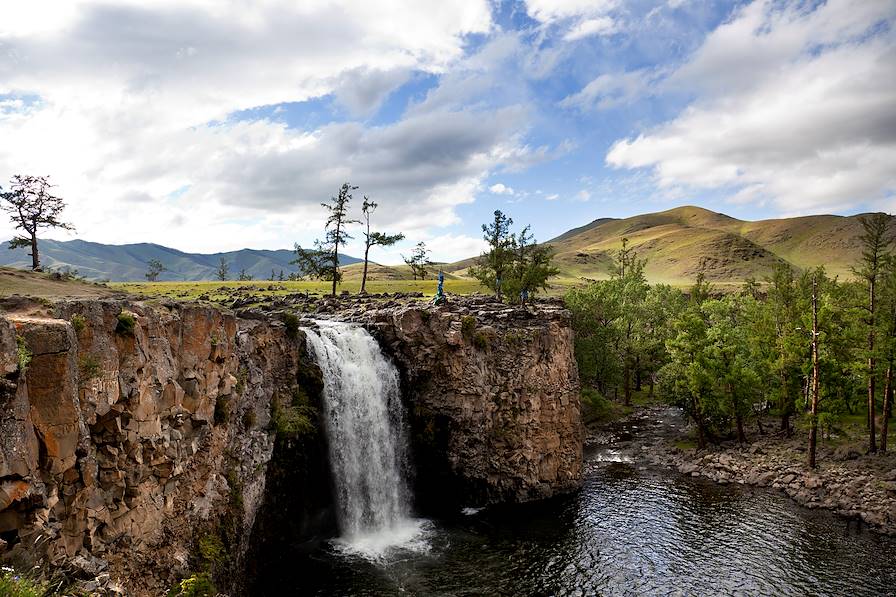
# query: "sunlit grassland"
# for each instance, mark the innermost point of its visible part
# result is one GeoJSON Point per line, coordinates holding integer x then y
{"type": "Point", "coordinates": [217, 290]}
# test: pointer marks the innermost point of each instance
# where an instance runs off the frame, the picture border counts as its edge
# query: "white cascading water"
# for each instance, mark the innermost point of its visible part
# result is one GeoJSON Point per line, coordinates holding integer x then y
{"type": "Point", "coordinates": [368, 449]}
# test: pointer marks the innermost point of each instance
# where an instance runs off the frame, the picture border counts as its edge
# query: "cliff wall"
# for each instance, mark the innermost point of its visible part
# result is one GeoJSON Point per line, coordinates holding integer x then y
{"type": "Point", "coordinates": [493, 395]}
{"type": "Point", "coordinates": [130, 432]}
{"type": "Point", "coordinates": [138, 430]}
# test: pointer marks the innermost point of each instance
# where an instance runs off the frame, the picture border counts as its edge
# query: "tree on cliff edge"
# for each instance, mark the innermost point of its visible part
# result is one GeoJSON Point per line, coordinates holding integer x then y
{"type": "Point", "coordinates": [322, 262]}
{"type": "Point", "coordinates": [373, 239]}
{"type": "Point", "coordinates": [31, 206]}
{"type": "Point", "coordinates": [491, 266]}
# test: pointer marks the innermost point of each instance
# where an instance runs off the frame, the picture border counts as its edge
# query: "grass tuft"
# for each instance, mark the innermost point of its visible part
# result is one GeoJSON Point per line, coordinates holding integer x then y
{"type": "Point", "coordinates": [126, 324]}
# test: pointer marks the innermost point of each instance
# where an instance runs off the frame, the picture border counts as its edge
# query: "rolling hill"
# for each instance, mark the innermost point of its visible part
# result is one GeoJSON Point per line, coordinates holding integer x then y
{"type": "Point", "coordinates": [126, 263]}
{"type": "Point", "coordinates": [680, 243]}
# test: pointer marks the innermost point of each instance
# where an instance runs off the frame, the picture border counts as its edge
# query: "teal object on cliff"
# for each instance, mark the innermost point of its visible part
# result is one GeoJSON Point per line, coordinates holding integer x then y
{"type": "Point", "coordinates": [439, 298]}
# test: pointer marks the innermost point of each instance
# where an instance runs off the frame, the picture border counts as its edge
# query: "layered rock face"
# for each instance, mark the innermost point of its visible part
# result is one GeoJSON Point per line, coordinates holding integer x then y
{"type": "Point", "coordinates": [137, 429]}
{"type": "Point", "coordinates": [120, 445]}
{"type": "Point", "coordinates": [493, 395]}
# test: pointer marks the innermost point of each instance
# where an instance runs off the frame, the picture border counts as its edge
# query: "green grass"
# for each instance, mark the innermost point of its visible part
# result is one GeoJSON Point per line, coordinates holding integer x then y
{"type": "Point", "coordinates": [218, 291]}
{"type": "Point", "coordinates": [686, 444]}
{"type": "Point", "coordinates": [13, 584]}
{"type": "Point", "coordinates": [23, 354]}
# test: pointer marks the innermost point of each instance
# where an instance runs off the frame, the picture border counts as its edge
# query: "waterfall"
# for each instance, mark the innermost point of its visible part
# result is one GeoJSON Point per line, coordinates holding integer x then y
{"type": "Point", "coordinates": [368, 448]}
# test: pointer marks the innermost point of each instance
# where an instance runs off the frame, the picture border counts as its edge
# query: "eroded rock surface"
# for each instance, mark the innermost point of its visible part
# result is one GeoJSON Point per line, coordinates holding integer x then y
{"type": "Point", "coordinates": [126, 441]}
{"type": "Point", "coordinates": [119, 448]}
{"type": "Point", "coordinates": [494, 400]}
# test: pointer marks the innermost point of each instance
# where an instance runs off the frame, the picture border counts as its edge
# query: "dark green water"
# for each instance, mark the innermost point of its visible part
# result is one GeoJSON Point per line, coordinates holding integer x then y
{"type": "Point", "coordinates": [628, 532]}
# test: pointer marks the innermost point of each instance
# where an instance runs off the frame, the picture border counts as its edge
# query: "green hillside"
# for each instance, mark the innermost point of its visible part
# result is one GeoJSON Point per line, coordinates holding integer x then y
{"type": "Point", "coordinates": [680, 243]}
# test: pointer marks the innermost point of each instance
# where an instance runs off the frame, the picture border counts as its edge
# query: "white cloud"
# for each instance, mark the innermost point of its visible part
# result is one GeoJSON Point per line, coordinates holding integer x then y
{"type": "Point", "coordinates": [583, 195]}
{"type": "Point", "coordinates": [547, 11]}
{"type": "Point", "coordinates": [795, 106]}
{"type": "Point", "coordinates": [552, 197]}
{"type": "Point", "coordinates": [500, 189]}
{"type": "Point", "coordinates": [597, 26]}
{"type": "Point", "coordinates": [125, 104]}
{"type": "Point", "coordinates": [580, 18]}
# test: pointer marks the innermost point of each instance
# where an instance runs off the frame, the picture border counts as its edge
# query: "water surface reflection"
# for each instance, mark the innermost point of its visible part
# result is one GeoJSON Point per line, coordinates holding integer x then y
{"type": "Point", "coordinates": [628, 532]}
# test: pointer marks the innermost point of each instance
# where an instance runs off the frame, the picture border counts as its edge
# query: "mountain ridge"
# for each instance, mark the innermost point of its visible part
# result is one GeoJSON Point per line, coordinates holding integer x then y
{"type": "Point", "coordinates": [129, 262]}
{"type": "Point", "coordinates": [684, 241]}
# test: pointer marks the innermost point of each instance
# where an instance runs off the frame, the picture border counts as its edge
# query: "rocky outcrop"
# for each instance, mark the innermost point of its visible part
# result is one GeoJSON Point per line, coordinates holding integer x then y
{"type": "Point", "coordinates": [493, 395]}
{"type": "Point", "coordinates": [132, 432]}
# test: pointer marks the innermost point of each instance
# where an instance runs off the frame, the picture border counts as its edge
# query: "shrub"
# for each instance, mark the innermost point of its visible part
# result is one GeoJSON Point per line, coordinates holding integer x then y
{"type": "Point", "coordinates": [291, 321]}
{"type": "Point", "coordinates": [197, 585]}
{"type": "Point", "coordinates": [468, 325]}
{"type": "Point", "coordinates": [249, 419]}
{"type": "Point", "coordinates": [79, 322]}
{"type": "Point", "coordinates": [212, 550]}
{"type": "Point", "coordinates": [241, 377]}
{"type": "Point", "coordinates": [295, 419]}
{"type": "Point", "coordinates": [481, 341]}
{"type": "Point", "coordinates": [23, 355]}
{"type": "Point", "coordinates": [126, 323]}
{"type": "Point", "coordinates": [89, 368]}
{"type": "Point", "coordinates": [595, 407]}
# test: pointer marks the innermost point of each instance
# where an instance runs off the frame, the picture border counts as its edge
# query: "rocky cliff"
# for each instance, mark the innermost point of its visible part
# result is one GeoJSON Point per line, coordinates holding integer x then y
{"type": "Point", "coordinates": [132, 432]}
{"type": "Point", "coordinates": [493, 394]}
{"type": "Point", "coordinates": [139, 441]}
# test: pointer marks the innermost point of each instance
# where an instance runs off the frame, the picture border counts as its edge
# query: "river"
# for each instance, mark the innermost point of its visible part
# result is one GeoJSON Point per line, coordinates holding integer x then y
{"type": "Point", "coordinates": [631, 530]}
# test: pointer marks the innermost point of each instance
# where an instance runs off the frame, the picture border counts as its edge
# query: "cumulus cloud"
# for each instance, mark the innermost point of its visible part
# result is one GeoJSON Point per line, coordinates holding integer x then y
{"type": "Point", "coordinates": [152, 118]}
{"type": "Point", "coordinates": [500, 189]}
{"type": "Point", "coordinates": [795, 106]}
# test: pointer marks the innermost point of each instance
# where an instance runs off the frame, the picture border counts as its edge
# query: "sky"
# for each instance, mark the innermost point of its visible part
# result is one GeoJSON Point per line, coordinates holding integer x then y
{"type": "Point", "coordinates": [213, 125]}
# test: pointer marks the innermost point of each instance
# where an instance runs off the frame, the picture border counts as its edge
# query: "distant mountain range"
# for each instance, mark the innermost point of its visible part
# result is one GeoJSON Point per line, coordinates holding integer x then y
{"type": "Point", "coordinates": [126, 263]}
{"type": "Point", "coordinates": [680, 243]}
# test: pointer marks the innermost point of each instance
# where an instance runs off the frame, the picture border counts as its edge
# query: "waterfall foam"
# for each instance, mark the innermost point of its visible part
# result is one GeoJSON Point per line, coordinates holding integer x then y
{"type": "Point", "coordinates": [368, 447]}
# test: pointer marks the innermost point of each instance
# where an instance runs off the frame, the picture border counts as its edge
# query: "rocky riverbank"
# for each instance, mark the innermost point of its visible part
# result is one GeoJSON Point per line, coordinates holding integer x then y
{"type": "Point", "coordinates": [846, 480]}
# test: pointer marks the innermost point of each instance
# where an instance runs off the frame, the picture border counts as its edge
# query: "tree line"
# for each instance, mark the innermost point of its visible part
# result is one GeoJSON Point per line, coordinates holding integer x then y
{"type": "Point", "coordinates": [802, 345]}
